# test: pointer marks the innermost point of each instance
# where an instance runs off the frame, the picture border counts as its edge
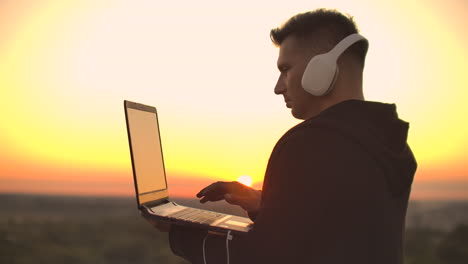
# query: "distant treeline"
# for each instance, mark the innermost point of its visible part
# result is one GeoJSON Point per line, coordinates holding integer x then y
{"type": "Point", "coordinates": [42, 229]}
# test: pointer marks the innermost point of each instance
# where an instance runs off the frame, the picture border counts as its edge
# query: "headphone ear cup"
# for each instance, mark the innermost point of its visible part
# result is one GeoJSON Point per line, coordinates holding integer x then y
{"type": "Point", "coordinates": [337, 72]}
{"type": "Point", "coordinates": [319, 75]}
{"type": "Point", "coordinates": [322, 70]}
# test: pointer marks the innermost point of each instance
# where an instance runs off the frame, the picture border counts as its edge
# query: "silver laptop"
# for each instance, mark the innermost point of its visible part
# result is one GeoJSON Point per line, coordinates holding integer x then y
{"type": "Point", "coordinates": [150, 177]}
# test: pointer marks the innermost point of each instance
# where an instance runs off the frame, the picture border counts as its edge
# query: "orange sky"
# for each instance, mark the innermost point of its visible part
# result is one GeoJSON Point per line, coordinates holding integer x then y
{"type": "Point", "coordinates": [209, 67]}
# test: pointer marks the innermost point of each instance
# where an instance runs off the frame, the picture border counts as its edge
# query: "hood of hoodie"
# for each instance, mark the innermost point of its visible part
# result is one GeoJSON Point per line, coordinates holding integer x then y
{"type": "Point", "coordinates": [377, 128]}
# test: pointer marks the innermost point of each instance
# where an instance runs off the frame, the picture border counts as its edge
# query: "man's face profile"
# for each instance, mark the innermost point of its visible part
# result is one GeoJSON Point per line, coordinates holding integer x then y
{"type": "Point", "coordinates": [292, 61]}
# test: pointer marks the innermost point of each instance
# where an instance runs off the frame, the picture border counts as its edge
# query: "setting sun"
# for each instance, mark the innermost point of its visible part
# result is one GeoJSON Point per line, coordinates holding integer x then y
{"type": "Point", "coordinates": [245, 179]}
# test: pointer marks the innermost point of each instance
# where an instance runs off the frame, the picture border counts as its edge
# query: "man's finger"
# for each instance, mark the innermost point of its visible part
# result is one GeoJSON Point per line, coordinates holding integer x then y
{"type": "Point", "coordinates": [202, 192]}
{"type": "Point", "coordinates": [211, 198]}
{"type": "Point", "coordinates": [217, 191]}
{"type": "Point", "coordinates": [216, 188]}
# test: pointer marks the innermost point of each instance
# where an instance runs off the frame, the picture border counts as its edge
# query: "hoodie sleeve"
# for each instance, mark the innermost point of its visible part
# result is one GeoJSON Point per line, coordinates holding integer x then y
{"type": "Point", "coordinates": [320, 204]}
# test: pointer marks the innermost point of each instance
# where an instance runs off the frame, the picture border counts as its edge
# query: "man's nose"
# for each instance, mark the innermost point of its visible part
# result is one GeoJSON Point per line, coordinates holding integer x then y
{"type": "Point", "coordinates": [280, 87]}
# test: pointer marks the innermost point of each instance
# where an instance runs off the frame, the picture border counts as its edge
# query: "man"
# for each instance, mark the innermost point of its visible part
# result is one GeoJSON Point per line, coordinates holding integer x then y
{"type": "Point", "coordinates": [337, 185]}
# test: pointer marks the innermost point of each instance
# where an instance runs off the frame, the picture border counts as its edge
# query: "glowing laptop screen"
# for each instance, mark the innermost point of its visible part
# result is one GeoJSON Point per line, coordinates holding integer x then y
{"type": "Point", "coordinates": [147, 156]}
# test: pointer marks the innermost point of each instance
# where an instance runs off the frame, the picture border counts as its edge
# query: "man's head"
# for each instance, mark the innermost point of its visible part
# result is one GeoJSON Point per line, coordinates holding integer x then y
{"type": "Point", "coordinates": [304, 36]}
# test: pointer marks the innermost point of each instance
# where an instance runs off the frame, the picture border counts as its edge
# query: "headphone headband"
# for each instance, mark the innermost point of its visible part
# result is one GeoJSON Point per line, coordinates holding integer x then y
{"type": "Point", "coordinates": [345, 44]}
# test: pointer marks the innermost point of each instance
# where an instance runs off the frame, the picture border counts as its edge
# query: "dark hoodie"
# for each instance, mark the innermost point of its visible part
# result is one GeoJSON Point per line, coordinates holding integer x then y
{"type": "Point", "coordinates": [336, 190]}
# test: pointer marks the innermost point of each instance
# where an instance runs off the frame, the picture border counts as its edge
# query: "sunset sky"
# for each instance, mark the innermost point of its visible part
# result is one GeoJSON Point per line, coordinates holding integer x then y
{"type": "Point", "coordinates": [210, 69]}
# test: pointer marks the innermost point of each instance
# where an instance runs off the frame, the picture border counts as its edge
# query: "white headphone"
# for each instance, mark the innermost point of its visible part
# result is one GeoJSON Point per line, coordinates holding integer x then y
{"type": "Point", "coordinates": [322, 71]}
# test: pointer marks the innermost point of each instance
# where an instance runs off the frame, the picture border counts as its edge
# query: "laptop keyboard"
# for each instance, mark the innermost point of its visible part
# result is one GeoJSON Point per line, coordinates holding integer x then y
{"type": "Point", "coordinates": [197, 215]}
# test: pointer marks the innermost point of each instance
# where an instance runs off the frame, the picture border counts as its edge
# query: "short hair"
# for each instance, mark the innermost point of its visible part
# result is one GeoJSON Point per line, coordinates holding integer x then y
{"type": "Point", "coordinates": [329, 25]}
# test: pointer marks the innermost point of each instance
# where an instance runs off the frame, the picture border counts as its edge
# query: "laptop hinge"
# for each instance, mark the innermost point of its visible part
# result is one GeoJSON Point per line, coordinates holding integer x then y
{"type": "Point", "coordinates": [154, 203]}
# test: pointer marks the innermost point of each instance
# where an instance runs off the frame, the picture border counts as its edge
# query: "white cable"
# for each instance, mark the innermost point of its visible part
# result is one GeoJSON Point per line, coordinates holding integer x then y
{"type": "Point", "coordinates": [204, 241]}
{"type": "Point", "coordinates": [228, 237]}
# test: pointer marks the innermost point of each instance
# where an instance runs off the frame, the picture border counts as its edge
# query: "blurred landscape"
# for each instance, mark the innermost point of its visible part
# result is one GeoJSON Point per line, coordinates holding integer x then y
{"type": "Point", "coordinates": [66, 229]}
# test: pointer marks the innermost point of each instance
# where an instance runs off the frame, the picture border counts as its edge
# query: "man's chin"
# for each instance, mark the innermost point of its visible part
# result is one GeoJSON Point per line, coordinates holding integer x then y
{"type": "Point", "coordinates": [296, 114]}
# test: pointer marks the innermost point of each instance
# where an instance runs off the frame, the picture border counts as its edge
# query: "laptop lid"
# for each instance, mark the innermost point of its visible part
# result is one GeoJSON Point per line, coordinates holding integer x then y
{"type": "Point", "coordinates": [146, 154]}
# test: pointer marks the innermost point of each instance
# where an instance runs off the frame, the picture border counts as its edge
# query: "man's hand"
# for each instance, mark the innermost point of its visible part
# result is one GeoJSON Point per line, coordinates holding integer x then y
{"type": "Point", "coordinates": [234, 193]}
{"type": "Point", "coordinates": [161, 226]}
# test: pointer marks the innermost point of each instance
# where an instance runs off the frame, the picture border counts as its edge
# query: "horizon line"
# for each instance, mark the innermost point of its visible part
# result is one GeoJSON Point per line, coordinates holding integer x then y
{"type": "Point", "coordinates": [121, 196]}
